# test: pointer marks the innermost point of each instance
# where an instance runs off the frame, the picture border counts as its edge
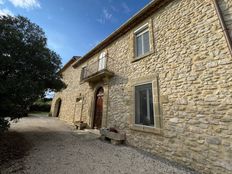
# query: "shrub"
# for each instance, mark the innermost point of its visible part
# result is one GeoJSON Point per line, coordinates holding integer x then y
{"type": "Point", "coordinates": [28, 68]}
{"type": "Point", "coordinates": [4, 125]}
{"type": "Point", "coordinates": [40, 108]}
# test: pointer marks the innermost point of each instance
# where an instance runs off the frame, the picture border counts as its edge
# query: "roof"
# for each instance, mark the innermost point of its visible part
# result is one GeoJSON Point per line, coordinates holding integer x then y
{"type": "Point", "coordinates": [69, 63]}
{"type": "Point", "coordinates": [144, 13]}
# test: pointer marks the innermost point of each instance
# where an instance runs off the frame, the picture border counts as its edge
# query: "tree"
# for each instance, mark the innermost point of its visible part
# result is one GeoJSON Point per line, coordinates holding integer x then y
{"type": "Point", "coordinates": [27, 67]}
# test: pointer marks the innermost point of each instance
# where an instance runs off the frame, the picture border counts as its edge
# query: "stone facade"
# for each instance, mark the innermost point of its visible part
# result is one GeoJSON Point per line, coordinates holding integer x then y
{"type": "Point", "coordinates": [191, 65]}
{"type": "Point", "coordinates": [226, 6]}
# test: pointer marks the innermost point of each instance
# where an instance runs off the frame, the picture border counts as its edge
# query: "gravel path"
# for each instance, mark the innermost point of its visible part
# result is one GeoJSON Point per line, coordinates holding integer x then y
{"type": "Point", "coordinates": [58, 149]}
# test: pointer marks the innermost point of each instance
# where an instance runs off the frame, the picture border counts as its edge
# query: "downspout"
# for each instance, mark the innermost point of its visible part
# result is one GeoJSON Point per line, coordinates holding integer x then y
{"type": "Point", "coordinates": [82, 103]}
{"type": "Point", "coordinates": [74, 115]}
{"type": "Point", "coordinates": [223, 25]}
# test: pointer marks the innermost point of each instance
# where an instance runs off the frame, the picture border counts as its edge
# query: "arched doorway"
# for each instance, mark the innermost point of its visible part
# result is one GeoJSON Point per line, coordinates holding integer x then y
{"type": "Point", "coordinates": [57, 107]}
{"type": "Point", "coordinates": [98, 111]}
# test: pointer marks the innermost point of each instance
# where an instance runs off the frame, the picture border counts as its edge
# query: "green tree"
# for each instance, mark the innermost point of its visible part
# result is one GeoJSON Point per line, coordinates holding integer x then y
{"type": "Point", "coordinates": [27, 67]}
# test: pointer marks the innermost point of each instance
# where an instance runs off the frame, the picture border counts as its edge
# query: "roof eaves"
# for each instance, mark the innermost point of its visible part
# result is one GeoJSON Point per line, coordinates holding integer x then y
{"type": "Point", "coordinates": [130, 23]}
{"type": "Point", "coordinates": [69, 63]}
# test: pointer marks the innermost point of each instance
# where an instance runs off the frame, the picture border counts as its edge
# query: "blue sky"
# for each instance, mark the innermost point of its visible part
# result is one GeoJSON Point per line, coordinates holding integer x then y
{"type": "Point", "coordinates": [73, 27]}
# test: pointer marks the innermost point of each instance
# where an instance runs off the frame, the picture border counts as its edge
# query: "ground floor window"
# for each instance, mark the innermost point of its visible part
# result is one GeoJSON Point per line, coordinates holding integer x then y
{"type": "Point", "coordinates": [146, 113]}
{"type": "Point", "coordinates": [144, 110]}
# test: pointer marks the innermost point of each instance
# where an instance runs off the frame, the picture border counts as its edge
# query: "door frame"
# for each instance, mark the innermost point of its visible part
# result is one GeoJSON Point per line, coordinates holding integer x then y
{"type": "Point", "coordinates": [95, 88]}
{"type": "Point", "coordinates": [57, 107]}
{"type": "Point", "coordinates": [95, 105]}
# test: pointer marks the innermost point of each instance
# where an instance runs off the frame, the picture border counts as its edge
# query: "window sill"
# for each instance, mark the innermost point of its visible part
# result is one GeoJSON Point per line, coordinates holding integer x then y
{"type": "Point", "coordinates": [146, 129]}
{"type": "Point", "coordinates": [135, 59]}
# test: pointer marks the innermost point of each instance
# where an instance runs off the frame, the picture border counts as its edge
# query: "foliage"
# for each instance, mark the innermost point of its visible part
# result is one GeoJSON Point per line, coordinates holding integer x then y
{"type": "Point", "coordinates": [40, 108]}
{"type": "Point", "coordinates": [27, 67]}
{"type": "Point", "coordinates": [41, 105]}
{"type": "Point", "coordinates": [4, 125]}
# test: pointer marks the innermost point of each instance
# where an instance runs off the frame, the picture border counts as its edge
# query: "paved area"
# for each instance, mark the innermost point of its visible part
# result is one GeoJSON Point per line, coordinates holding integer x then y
{"type": "Point", "coordinates": [59, 149]}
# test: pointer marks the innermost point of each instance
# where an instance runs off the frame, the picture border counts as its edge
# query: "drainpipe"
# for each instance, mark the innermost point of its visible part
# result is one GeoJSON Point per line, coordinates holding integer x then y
{"type": "Point", "coordinates": [82, 103]}
{"type": "Point", "coordinates": [223, 25]}
{"type": "Point", "coordinates": [74, 115]}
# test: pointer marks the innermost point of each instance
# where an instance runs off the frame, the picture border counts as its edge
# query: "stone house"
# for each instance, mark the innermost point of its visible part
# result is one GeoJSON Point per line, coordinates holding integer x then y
{"type": "Point", "coordinates": [165, 79]}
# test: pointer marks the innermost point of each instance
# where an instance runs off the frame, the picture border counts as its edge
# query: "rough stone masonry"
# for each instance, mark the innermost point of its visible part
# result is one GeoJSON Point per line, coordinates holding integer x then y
{"type": "Point", "coordinates": [190, 67]}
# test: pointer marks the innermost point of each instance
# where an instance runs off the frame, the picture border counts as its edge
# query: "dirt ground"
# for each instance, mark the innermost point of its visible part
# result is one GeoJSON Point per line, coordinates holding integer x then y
{"type": "Point", "coordinates": [13, 148]}
{"type": "Point", "coordinates": [55, 148]}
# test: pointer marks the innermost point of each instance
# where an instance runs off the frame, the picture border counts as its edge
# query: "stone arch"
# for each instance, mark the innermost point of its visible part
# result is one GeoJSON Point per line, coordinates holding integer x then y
{"type": "Point", "coordinates": [98, 108]}
{"type": "Point", "coordinates": [94, 87]}
{"type": "Point", "coordinates": [94, 94]}
{"type": "Point", "coordinates": [57, 107]}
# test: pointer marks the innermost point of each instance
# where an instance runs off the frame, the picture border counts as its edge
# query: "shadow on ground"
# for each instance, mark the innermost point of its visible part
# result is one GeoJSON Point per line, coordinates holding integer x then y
{"type": "Point", "coordinates": [13, 148]}
{"type": "Point", "coordinates": [57, 148]}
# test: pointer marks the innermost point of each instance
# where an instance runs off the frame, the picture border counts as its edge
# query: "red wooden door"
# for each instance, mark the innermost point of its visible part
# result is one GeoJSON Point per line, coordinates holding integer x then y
{"type": "Point", "coordinates": [98, 109]}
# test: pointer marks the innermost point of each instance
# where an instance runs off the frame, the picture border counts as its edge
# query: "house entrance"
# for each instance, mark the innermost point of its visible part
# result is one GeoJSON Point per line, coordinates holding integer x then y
{"type": "Point", "coordinates": [57, 107]}
{"type": "Point", "coordinates": [97, 120]}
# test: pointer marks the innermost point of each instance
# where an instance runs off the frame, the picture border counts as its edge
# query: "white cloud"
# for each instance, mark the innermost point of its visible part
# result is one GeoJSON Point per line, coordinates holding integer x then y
{"type": "Point", "coordinates": [100, 20]}
{"type": "Point", "coordinates": [5, 12]}
{"type": "Point", "coordinates": [113, 8]}
{"type": "Point", "coordinates": [106, 16]}
{"type": "Point", "coordinates": [27, 4]}
{"type": "Point", "coordinates": [125, 7]}
{"type": "Point", "coordinates": [2, 2]}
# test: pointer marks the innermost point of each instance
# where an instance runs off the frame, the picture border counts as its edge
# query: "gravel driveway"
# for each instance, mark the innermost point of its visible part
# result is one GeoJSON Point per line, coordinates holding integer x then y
{"type": "Point", "coordinates": [59, 149]}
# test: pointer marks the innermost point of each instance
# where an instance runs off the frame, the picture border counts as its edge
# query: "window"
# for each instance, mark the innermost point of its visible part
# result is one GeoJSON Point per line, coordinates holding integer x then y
{"type": "Point", "coordinates": [102, 61]}
{"type": "Point", "coordinates": [144, 112]}
{"type": "Point", "coordinates": [146, 107]}
{"type": "Point", "coordinates": [142, 44]}
{"type": "Point", "coordinates": [83, 72]}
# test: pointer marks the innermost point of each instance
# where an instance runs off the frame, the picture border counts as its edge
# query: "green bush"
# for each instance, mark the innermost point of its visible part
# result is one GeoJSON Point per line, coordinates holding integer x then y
{"type": "Point", "coordinates": [40, 108]}
{"type": "Point", "coordinates": [28, 68]}
{"type": "Point", "coordinates": [4, 125]}
{"type": "Point", "coordinates": [41, 105]}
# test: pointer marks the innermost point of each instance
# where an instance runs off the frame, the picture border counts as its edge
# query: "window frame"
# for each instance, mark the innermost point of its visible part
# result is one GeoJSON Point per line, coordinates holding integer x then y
{"type": "Point", "coordinates": [148, 23]}
{"type": "Point", "coordinates": [147, 106]}
{"type": "Point", "coordinates": [157, 128]}
{"type": "Point", "coordinates": [102, 61]}
{"type": "Point", "coordinates": [82, 72]}
{"type": "Point", "coordinates": [140, 32]}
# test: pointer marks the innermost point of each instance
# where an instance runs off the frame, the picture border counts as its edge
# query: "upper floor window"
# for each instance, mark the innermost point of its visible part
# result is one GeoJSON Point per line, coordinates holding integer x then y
{"type": "Point", "coordinates": [102, 61]}
{"type": "Point", "coordinates": [83, 72]}
{"type": "Point", "coordinates": [142, 43]}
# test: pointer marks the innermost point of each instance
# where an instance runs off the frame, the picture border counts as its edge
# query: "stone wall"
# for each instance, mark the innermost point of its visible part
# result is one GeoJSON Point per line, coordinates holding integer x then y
{"type": "Point", "coordinates": [70, 109]}
{"type": "Point", "coordinates": [191, 58]}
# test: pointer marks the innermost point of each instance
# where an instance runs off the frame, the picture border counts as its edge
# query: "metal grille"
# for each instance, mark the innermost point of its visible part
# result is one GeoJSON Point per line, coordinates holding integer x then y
{"type": "Point", "coordinates": [93, 68]}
